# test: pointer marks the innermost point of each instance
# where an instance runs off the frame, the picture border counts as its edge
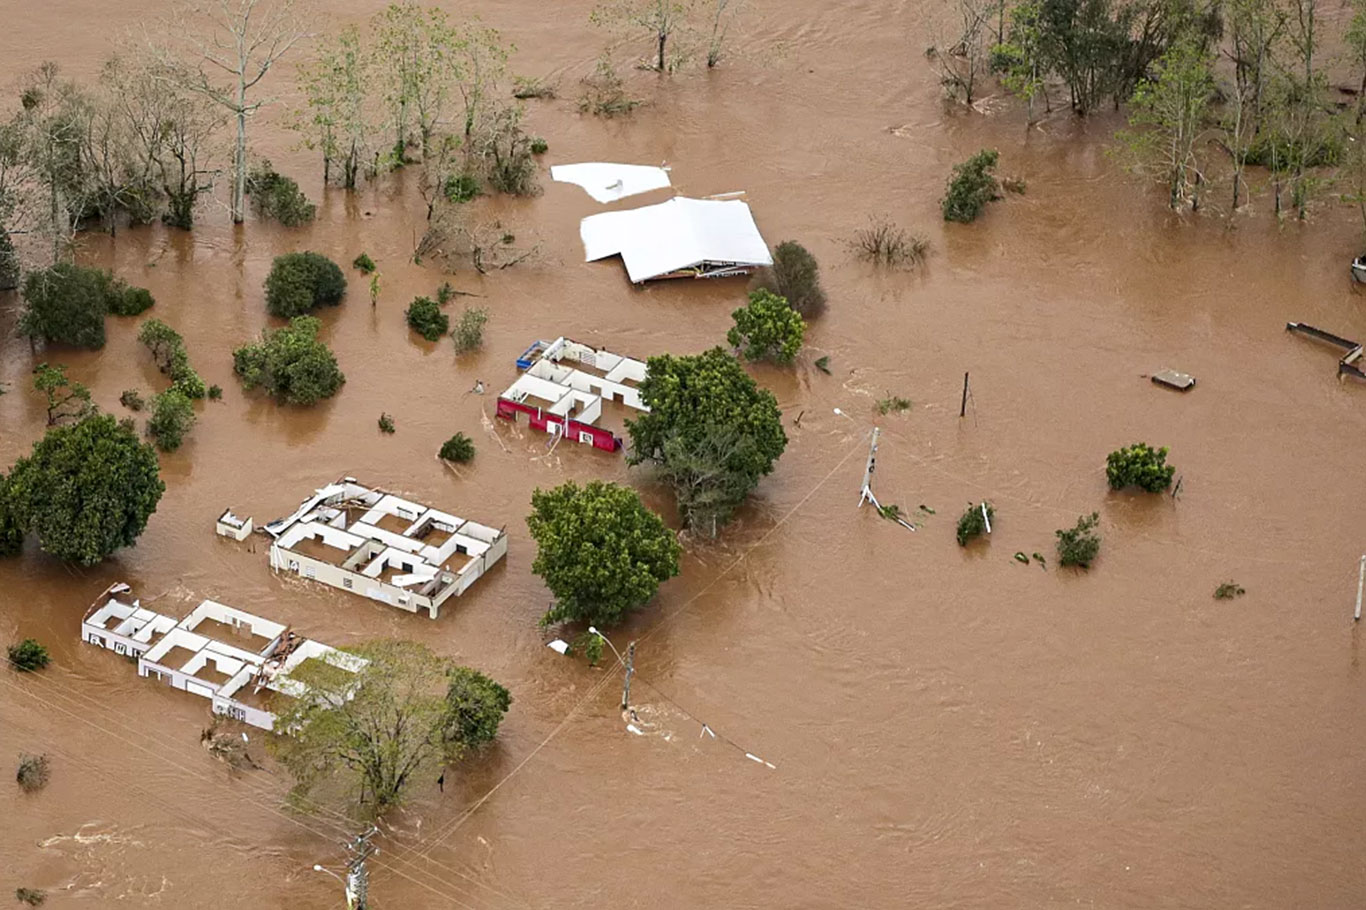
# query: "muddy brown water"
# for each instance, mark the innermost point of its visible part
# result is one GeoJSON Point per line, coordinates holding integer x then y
{"type": "Point", "coordinates": [950, 728]}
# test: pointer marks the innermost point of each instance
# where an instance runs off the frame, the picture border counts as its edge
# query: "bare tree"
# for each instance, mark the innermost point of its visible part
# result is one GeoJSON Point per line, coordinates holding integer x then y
{"type": "Point", "coordinates": [724, 14]}
{"type": "Point", "coordinates": [455, 235]}
{"type": "Point", "coordinates": [661, 19]}
{"type": "Point", "coordinates": [964, 61]}
{"type": "Point", "coordinates": [49, 131]}
{"type": "Point", "coordinates": [231, 45]}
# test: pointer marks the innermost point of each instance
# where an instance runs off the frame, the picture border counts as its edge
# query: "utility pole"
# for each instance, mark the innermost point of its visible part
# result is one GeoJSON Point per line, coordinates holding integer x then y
{"type": "Point", "coordinates": [866, 491]}
{"type": "Point", "coordinates": [963, 408]}
{"type": "Point", "coordinates": [630, 671]}
{"type": "Point", "coordinates": [357, 876]}
{"type": "Point", "coordinates": [1361, 581]}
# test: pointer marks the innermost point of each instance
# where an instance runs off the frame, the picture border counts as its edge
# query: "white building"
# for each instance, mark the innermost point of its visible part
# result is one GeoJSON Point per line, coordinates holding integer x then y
{"type": "Point", "coordinates": [230, 525]}
{"type": "Point", "coordinates": [563, 386]}
{"type": "Point", "coordinates": [384, 547]}
{"type": "Point", "coordinates": [239, 662]}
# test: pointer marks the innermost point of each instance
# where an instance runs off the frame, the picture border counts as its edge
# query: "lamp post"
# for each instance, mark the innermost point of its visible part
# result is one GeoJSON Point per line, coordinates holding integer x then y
{"type": "Point", "coordinates": [350, 895]}
{"type": "Point", "coordinates": [629, 661]}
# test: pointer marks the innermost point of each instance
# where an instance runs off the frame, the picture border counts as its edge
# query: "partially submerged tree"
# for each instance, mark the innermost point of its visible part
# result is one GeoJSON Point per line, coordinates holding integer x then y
{"type": "Point", "coordinates": [711, 432]}
{"type": "Point", "coordinates": [67, 304]}
{"type": "Point", "coordinates": [172, 419]}
{"type": "Point", "coordinates": [66, 400]}
{"type": "Point", "coordinates": [299, 283]}
{"type": "Point", "coordinates": [425, 317]}
{"type": "Point", "coordinates": [27, 656]}
{"type": "Point", "coordinates": [469, 330]}
{"type": "Point", "coordinates": [972, 185]}
{"type": "Point", "coordinates": [405, 714]}
{"type": "Point", "coordinates": [231, 45]}
{"type": "Point", "coordinates": [973, 522]}
{"type": "Point", "coordinates": [600, 551]}
{"type": "Point", "coordinates": [796, 277]}
{"type": "Point", "coordinates": [459, 448]}
{"type": "Point", "coordinates": [291, 364]}
{"type": "Point", "coordinates": [1141, 466]}
{"type": "Point", "coordinates": [661, 20]}
{"type": "Point", "coordinates": [767, 328]}
{"type": "Point", "coordinates": [1079, 544]}
{"type": "Point", "coordinates": [963, 60]}
{"type": "Point", "coordinates": [86, 490]}
{"type": "Point", "coordinates": [275, 196]}
{"type": "Point", "coordinates": [1169, 111]}
{"type": "Point", "coordinates": [339, 122]}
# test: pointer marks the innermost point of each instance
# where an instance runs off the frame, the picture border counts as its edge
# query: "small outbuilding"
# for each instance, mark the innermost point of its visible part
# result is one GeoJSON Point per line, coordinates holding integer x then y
{"type": "Point", "coordinates": [681, 238]}
{"type": "Point", "coordinates": [230, 525]}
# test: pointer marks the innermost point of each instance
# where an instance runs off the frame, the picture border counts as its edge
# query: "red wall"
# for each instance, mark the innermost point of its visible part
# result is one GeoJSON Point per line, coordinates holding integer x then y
{"type": "Point", "coordinates": [602, 439]}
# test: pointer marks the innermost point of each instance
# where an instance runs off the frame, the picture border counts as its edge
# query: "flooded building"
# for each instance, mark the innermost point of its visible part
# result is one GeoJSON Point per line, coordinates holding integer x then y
{"type": "Point", "coordinates": [243, 664]}
{"type": "Point", "coordinates": [384, 547]}
{"type": "Point", "coordinates": [563, 386]}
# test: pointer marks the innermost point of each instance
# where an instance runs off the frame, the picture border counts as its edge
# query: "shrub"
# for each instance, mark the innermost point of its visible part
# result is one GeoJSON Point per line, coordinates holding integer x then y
{"type": "Point", "coordinates": [461, 188]}
{"type": "Point", "coordinates": [34, 897]}
{"type": "Point", "coordinates": [892, 404]}
{"type": "Point", "coordinates": [1079, 544]}
{"type": "Point", "coordinates": [459, 448]}
{"type": "Point", "coordinates": [445, 293]}
{"type": "Point", "coordinates": [972, 523]}
{"type": "Point", "coordinates": [469, 331]}
{"type": "Point", "coordinates": [883, 243]}
{"type": "Point", "coordinates": [971, 187]}
{"type": "Point", "coordinates": [28, 655]}
{"type": "Point", "coordinates": [425, 318]}
{"type": "Point", "coordinates": [11, 530]}
{"type": "Point", "coordinates": [34, 772]}
{"type": "Point", "coordinates": [524, 87]}
{"type": "Point", "coordinates": [386, 423]}
{"type": "Point", "coordinates": [507, 155]}
{"type": "Point", "coordinates": [129, 301]}
{"type": "Point", "coordinates": [539, 146]}
{"type": "Point", "coordinates": [364, 263]}
{"type": "Point", "coordinates": [291, 364]}
{"type": "Point", "coordinates": [1229, 590]}
{"type": "Point", "coordinates": [796, 277]}
{"type": "Point", "coordinates": [168, 351]}
{"type": "Point", "coordinates": [215, 392]}
{"type": "Point", "coordinates": [300, 282]}
{"type": "Point", "coordinates": [604, 92]}
{"type": "Point", "coordinates": [277, 196]}
{"type": "Point", "coordinates": [131, 399]}
{"type": "Point", "coordinates": [767, 329]}
{"type": "Point", "coordinates": [1140, 466]}
{"type": "Point", "coordinates": [172, 418]}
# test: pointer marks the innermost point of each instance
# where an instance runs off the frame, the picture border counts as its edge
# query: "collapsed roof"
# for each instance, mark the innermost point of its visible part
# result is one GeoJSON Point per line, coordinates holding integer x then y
{"type": "Point", "coordinates": [698, 238]}
{"type": "Point", "coordinates": [610, 182]}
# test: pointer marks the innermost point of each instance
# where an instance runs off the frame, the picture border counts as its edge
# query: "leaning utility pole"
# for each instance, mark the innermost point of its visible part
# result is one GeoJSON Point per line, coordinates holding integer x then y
{"type": "Point", "coordinates": [630, 671]}
{"type": "Point", "coordinates": [866, 491]}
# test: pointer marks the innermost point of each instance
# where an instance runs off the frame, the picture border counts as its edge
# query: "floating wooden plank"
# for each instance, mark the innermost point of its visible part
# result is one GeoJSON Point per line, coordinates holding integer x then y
{"type": "Point", "coordinates": [1182, 382]}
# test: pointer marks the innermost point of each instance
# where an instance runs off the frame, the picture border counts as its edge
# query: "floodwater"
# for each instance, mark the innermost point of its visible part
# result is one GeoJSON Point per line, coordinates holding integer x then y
{"type": "Point", "coordinates": [949, 728]}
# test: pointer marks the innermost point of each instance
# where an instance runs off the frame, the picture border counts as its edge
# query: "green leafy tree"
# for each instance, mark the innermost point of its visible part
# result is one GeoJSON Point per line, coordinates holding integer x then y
{"type": "Point", "coordinates": [1169, 112]}
{"type": "Point", "coordinates": [11, 531]}
{"type": "Point", "coordinates": [469, 331]}
{"type": "Point", "coordinates": [661, 20]}
{"type": "Point", "coordinates": [86, 490]}
{"type": "Point", "coordinates": [971, 187]}
{"type": "Point", "coordinates": [425, 317]}
{"type": "Point", "coordinates": [66, 400]}
{"type": "Point", "coordinates": [273, 195]}
{"type": "Point", "coordinates": [599, 550]}
{"type": "Point", "coordinates": [796, 277]}
{"type": "Point", "coordinates": [131, 302]}
{"type": "Point", "coordinates": [459, 448]}
{"type": "Point", "coordinates": [767, 329]}
{"type": "Point", "coordinates": [1080, 544]}
{"type": "Point", "coordinates": [477, 705]}
{"type": "Point", "coordinates": [1021, 61]}
{"type": "Point", "coordinates": [711, 432]}
{"type": "Point", "coordinates": [1139, 465]}
{"type": "Point", "coordinates": [67, 304]}
{"type": "Point", "coordinates": [300, 282]}
{"type": "Point", "coordinates": [404, 714]}
{"type": "Point", "coordinates": [336, 86]}
{"type": "Point", "coordinates": [162, 340]}
{"type": "Point", "coordinates": [291, 364]}
{"type": "Point", "coordinates": [172, 419]}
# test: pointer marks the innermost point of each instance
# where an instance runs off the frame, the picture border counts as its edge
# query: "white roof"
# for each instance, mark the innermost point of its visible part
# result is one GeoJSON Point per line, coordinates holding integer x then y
{"type": "Point", "coordinates": [610, 182]}
{"type": "Point", "coordinates": [658, 239]}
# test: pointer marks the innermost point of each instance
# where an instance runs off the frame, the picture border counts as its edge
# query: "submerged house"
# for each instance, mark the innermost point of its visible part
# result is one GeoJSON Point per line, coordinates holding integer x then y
{"type": "Point", "coordinates": [243, 664]}
{"type": "Point", "coordinates": [562, 388]}
{"type": "Point", "coordinates": [681, 238]}
{"type": "Point", "coordinates": [384, 547]}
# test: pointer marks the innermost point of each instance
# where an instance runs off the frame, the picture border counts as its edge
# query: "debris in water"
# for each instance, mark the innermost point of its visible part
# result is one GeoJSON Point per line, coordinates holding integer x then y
{"type": "Point", "coordinates": [1182, 382]}
{"type": "Point", "coordinates": [1021, 558]}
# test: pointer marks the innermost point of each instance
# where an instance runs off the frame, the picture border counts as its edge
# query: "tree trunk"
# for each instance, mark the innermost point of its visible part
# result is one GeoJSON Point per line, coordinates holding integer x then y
{"type": "Point", "coordinates": [239, 163]}
{"type": "Point", "coordinates": [663, 37]}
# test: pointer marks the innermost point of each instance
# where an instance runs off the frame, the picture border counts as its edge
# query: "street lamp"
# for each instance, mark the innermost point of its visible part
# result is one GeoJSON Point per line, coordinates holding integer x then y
{"type": "Point", "coordinates": [629, 662]}
{"type": "Point", "coordinates": [592, 630]}
{"type": "Point", "coordinates": [350, 895]}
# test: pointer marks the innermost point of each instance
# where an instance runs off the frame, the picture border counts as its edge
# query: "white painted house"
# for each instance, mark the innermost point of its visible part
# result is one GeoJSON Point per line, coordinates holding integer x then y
{"type": "Point", "coordinates": [563, 386]}
{"type": "Point", "coordinates": [382, 546]}
{"type": "Point", "coordinates": [238, 661]}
